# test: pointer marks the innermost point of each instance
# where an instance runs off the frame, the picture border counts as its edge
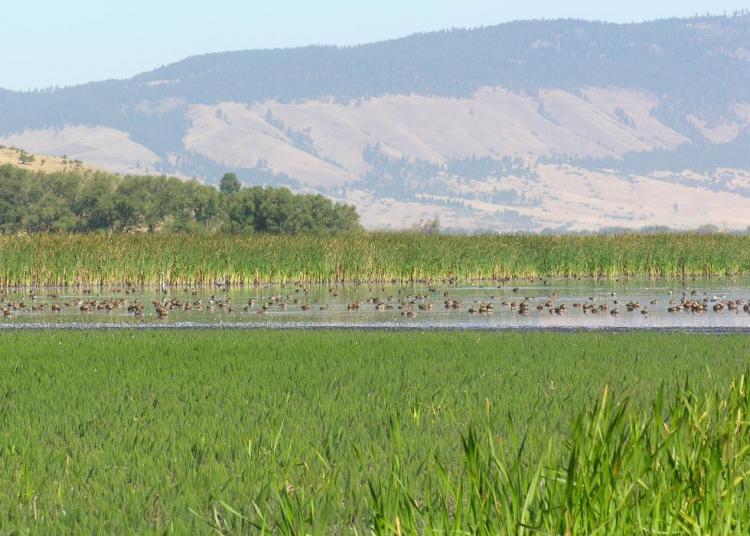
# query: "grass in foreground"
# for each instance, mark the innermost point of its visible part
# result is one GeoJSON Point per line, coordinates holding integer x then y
{"type": "Point", "coordinates": [368, 432]}
{"type": "Point", "coordinates": [61, 259]}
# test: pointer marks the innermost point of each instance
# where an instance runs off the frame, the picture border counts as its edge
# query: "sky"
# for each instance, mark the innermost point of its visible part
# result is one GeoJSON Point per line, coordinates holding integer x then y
{"type": "Point", "coordinates": [50, 43]}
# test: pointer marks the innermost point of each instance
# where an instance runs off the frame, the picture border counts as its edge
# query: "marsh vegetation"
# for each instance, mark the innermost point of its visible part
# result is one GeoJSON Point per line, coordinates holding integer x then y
{"type": "Point", "coordinates": [62, 259]}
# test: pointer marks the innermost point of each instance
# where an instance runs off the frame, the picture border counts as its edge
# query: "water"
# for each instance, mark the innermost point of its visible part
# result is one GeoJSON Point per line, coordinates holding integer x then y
{"type": "Point", "coordinates": [551, 304]}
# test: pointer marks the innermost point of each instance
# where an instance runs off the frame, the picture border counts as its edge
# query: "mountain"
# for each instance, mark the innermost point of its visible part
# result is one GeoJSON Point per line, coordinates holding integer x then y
{"type": "Point", "coordinates": [562, 124]}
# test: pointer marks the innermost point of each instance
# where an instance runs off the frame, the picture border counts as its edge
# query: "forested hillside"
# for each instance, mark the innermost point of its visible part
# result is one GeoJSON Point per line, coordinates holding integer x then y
{"type": "Point", "coordinates": [699, 62]}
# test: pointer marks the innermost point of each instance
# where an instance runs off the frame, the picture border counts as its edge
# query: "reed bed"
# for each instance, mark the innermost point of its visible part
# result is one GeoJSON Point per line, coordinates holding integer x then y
{"type": "Point", "coordinates": [230, 432]}
{"type": "Point", "coordinates": [680, 468]}
{"type": "Point", "coordinates": [91, 259]}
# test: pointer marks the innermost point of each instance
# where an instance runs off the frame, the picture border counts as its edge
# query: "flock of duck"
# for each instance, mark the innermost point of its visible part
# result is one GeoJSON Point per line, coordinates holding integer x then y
{"type": "Point", "coordinates": [300, 298]}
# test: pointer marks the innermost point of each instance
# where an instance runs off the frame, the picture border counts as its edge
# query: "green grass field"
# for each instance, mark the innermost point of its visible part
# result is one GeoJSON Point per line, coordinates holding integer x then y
{"type": "Point", "coordinates": [60, 259]}
{"type": "Point", "coordinates": [334, 432]}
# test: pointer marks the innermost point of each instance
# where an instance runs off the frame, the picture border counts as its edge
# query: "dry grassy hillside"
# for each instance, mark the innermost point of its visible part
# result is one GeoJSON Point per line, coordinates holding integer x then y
{"type": "Point", "coordinates": [496, 123]}
{"type": "Point", "coordinates": [575, 199]}
{"type": "Point", "coordinates": [38, 162]}
{"type": "Point", "coordinates": [493, 123]}
{"type": "Point", "coordinates": [322, 145]}
{"type": "Point", "coordinates": [104, 148]}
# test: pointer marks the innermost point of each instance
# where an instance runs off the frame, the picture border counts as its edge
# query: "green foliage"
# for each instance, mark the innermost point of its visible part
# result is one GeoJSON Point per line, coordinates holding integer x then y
{"type": "Point", "coordinates": [676, 469]}
{"type": "Point", "coordinates": [229, 184]}
{"type": "Point", "coordinates": [25, 158]}
{"type": "Point", "coordinates": [333, 432]}
{"type": "Point", "coordinates": [83, 201]}
{"type": "Point", "coordinates": [185, 258]}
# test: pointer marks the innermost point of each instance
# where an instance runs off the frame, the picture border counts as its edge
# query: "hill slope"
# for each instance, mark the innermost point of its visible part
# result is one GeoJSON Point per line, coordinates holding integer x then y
{"type": "Point", "coordinates": [549, 124]}
{"type": "Point", "coordinates": [38, 162]}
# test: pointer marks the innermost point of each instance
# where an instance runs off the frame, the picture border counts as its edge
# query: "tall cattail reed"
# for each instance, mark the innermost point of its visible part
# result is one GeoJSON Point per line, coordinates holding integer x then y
{"type": "Point", "coordinates": [66, 259]}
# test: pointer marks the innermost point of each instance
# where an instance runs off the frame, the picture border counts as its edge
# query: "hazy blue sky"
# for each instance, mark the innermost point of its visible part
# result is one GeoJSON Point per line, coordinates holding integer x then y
{"type": "Point", "coordinates": [54, 42]}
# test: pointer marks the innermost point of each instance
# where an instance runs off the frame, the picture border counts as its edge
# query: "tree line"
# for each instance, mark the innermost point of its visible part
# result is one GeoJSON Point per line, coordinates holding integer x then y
{"type": "Point", "coordinates": [85, 201]}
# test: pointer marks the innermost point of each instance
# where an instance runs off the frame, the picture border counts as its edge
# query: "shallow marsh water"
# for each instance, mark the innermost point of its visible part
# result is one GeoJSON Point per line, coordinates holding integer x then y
{"type": "Point", "coordinates": [547, 304]}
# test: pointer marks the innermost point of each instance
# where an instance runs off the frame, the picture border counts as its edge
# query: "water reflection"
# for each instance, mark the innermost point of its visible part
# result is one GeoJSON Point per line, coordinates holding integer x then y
{"type": "Point", "coordinates": [624, 303]}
